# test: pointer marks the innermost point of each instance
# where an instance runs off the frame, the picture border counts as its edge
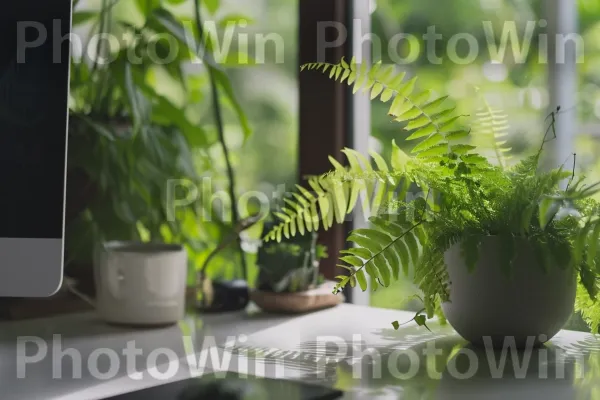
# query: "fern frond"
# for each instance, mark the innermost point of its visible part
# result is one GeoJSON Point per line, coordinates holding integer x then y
{"type": "Point", "coordinates": [336, 194]}
{"type": "Point", "coordinates": [432, 279]}
{"type": "Point", "coordinates": [423, 114]}
{"type": "Point", "coordinates": [382, 252]}
{"type": "Point", "coordinates": [490, 131]}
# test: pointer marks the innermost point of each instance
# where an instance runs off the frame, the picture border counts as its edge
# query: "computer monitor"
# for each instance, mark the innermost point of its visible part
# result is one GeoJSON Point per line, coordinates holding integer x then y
{"type": "Point", "coordinates": [34, 90]}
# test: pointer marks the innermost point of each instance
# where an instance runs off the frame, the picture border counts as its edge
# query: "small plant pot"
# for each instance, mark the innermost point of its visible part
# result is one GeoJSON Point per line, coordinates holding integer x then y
{"type": "Point", "coordinates": [488, 306]}
{"type": "Point", "coordinates": [141, 284]}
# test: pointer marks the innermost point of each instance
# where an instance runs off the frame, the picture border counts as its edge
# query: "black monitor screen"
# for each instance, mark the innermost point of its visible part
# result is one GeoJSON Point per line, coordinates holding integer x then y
{"type": "Point", "coordinates": [34, 74]}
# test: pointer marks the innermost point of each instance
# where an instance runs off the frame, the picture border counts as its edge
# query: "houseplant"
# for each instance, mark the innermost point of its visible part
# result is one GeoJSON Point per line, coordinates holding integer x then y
{"type": "Point", "coordinates": [467, 213]}
{"type": "Point", "coordinates": [288, 275]}
{"type": "Point", "coordinates": [136, 125]}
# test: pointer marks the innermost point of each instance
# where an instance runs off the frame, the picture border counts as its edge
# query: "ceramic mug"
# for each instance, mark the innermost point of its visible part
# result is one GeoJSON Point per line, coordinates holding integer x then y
{"type": "Point", "coordinates": [140, 283]}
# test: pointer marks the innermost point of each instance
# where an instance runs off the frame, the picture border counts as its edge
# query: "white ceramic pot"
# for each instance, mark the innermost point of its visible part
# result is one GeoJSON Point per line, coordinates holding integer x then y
{"type": "Point", "coordinates": [529, 307]}
{"type": "Point", "coordinates": [141, 283]}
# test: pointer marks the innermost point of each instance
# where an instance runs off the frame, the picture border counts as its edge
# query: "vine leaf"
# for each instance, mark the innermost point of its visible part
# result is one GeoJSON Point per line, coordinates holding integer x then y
{"type": "Point", "coordinates": [420, 319]}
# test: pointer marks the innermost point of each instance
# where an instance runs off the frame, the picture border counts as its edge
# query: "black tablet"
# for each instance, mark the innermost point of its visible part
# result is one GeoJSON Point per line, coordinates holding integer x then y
{"type": "Point", "coordinates": [234, 387]}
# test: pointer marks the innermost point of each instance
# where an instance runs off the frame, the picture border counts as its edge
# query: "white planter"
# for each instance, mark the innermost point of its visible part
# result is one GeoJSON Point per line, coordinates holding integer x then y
{"type": "Point", "coordinates": [141, 283]}
{"type": "Point", "coordinates": [529, 307]}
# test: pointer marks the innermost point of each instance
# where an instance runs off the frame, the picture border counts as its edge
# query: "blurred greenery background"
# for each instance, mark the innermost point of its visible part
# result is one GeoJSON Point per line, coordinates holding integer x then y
{"type": "Point", "coordinates": [266, 161]}
{"type": "Point", "coordinates": [127, 166]}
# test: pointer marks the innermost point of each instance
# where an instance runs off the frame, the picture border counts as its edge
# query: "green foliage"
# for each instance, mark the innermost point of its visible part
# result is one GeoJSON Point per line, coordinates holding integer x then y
{"type": "Point", "coordinates": [443, 194]}
{"type": "Point", "coordinates": [136, 125]}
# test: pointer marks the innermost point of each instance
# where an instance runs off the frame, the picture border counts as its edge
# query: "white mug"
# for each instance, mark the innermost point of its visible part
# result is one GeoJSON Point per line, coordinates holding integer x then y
{"type": "Point", "coordinates": [140, 283]}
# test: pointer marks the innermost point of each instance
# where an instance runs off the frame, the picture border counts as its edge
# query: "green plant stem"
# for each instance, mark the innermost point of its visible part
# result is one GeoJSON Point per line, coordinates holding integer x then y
{"type": "Point", "coordinates": [239, 228]}
{"type": "Point", "coordinates": [221, 133]}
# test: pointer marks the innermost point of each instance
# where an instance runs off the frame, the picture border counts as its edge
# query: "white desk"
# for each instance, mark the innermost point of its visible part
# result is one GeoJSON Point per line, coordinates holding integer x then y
{"type": "Point", "coordinates": [349, 347]}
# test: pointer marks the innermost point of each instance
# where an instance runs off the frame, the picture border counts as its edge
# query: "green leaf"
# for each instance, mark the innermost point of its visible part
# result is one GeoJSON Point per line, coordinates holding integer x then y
{"type": "Point", "coordinates": [410, 114]}
{"type": "Point", "coordinates": [437, 150]}
{"type": "Point", "coordinates": [294, 227]}
{"type": "Point", "coordinates": [366, 242]}
{"type": "Point", "coordinates": [547, 210]}
{"type": "Point", "coordinates": [225, 85]}
{"type": "Point", "coordinates": [340, 201]}
{"type": "Point", "coordinates": [147, 6]}
{"type": "Point", "coordinates": [376, 91]}
{"type": "Point", "coordinates": [462, 148]}
{"type": "Point", "coordinates": [421, 320]}
{"type": "Point", "coordinates": [392, 258]}
{"type": "Point", "coordinates": [211, 5]}
{"type": "Point", "coordinates": [413, 247]}
{"type": "Point", "coordinates": [386, 95]}
{"type": "Point", "coordinates": [425, 131]}
{"type": "Point", "coordinates": [396, 325]}
{"type": "Point", "coordinates": [434, 104]}
{"type": "Point", "coordinates": [474, 159]}
{"type": "Point", "coordinates": [81, 17]}
{"type": "Point", "coordinates": [389, 227]}
{"type": "Point", "coordinates": [359, 252]}
{"type": "Point", "coordinates": [373, 273]}
{"type": "Point", "coordinates": [447, 122]}
{"type": "Point", "coordinates": [401, 248]}
{"type": "Point", "coordinates": [407, 88]}
{"type": "Point", "coordinates": [399, 158]}
{"type": "Point", "coordinates": [456, 135]}
{"type": "Point", "coordinates": [399, 107]}
{"type": "Point", "coordinates": [427, 143]}
{"type": "Point", "coordinates": [442, 117]}
{"type": "Point", "coordinates": [362, 281]}
{"type": "Point", "coordinates": [139, 105]}
{"type": "Point", "coordinates": [383, 268]}
{"type": "Point", "coordinates": [353, 260]}
{"type": "Point", "coordinates": [376, 235]}
{"type": "Point", "coordinates": [419, 122]}
{"type": "Point", "coordinates": [379, 161]}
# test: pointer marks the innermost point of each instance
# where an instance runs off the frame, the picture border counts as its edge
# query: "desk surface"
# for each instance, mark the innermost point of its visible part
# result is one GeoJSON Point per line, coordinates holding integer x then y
{"type": "Point", "coordinates": [349, 347]}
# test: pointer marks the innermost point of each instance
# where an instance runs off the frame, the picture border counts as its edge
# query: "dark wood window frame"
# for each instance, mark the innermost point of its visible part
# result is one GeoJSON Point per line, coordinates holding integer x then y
{"type": "Point", "coordinates": [325, 106]}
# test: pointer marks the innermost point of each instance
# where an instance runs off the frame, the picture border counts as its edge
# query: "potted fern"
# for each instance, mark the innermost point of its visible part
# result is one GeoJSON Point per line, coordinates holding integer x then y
{"type": "Point", "coordinates": [500, 252]}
